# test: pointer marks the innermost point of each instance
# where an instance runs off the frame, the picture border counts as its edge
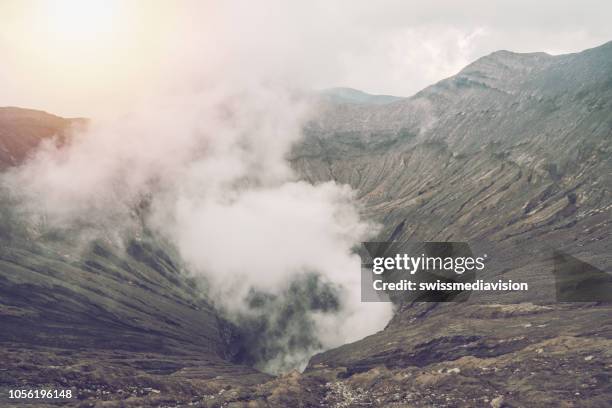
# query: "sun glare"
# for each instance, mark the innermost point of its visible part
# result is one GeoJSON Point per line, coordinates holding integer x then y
{"type": "Point", "coordinates": [78, 20]}
{"type": "Point", "coordinates": [98, 53]}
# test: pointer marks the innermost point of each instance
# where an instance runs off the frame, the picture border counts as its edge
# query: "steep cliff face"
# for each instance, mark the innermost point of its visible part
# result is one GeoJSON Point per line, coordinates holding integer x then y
{"type": "Point", "coordinates": [513, 151]}
{"type": "Point", "coordinates": [514, 144]}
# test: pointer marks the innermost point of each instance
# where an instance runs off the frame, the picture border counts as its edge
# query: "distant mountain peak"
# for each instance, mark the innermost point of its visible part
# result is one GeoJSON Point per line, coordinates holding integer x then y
{"type": "Point", "coordinates": [355, 96]}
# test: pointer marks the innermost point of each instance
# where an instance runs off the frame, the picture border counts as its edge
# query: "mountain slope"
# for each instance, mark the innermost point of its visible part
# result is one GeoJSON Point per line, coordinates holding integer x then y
{"type": "Point", "coordinates": [513, 152]}
{"type": "Point", "coordinates": [23, 129]}
{"type": "Point", "coordinates": [432, 154]}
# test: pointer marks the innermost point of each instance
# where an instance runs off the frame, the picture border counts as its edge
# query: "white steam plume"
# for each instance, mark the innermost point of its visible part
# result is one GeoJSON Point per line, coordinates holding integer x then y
{"type": "Point", "coordinates": [208, 156]}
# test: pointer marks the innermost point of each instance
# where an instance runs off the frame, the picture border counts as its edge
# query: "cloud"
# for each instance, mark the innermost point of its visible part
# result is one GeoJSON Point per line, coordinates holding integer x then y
{"type": "Point", "coordinates": [203, 165]}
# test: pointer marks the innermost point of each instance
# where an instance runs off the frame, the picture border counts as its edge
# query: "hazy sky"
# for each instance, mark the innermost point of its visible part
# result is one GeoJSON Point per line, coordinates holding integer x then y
{"type": "Point", "coordinates": [88, 58]}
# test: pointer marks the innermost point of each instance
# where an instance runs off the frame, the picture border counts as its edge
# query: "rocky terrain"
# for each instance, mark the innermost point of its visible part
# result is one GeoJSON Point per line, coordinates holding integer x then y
{"type": "Point", "coordinates": [514, 152]}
